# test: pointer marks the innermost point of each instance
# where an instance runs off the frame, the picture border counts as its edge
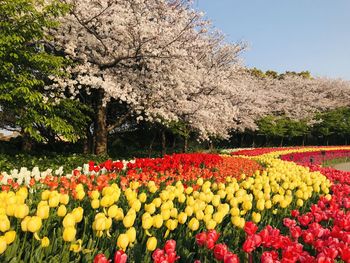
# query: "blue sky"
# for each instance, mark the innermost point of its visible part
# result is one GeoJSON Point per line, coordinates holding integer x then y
{"type": "Point", "coordinates": [292, 35]}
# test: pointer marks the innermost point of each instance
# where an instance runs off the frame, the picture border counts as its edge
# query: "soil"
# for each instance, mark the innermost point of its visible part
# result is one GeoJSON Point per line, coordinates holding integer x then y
{"type": "Point", "coordinates": [342, 166]}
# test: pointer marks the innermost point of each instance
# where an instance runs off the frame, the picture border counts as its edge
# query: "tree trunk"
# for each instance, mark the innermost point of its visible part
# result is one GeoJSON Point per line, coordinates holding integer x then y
{"type": "Point", "coordinates": [87, 143]}
{"type": "Point", "coordinates": [174, 144]}
{"type": "Point", "coordinates": [27, 143]}
{"type": "Point", "coordinates": [241, 140]}
{"type": "Point", "coordinates": [185, 149]}
{"type": "Point", "coordinates": [151, 146]}
{"type": "Point", "coordinates": [101, 132]}
{"type": "Point", "coordinates": [163, 142]}
{"type": "Point", "coordinates": [211, 146]}
{"type": "Point", "coordinates": [281, 143]}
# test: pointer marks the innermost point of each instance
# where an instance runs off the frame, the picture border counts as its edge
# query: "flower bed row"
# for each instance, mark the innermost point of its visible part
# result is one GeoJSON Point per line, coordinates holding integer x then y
{"type": "Point", "coordinates": [185, 208]}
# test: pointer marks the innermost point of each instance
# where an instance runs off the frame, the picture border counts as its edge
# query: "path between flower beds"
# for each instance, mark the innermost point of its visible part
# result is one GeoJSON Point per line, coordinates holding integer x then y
{"type": "Point", "coordinates": [342, 166]}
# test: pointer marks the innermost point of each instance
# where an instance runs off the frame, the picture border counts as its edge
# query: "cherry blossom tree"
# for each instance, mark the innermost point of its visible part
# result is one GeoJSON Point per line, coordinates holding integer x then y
{"type": "Point", "coordinates": [296, 96]}
{"type": "Point", "coordinates": [160, 60]}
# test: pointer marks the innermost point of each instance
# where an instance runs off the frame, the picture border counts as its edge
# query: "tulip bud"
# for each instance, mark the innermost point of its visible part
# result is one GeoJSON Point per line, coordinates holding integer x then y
{"type": "Point", "coordinates": [3, 245]}
{"type": "Point", "coordinates": [131, 232]}
{"type": "Point", "coordinates": [22, 211]}
{"type": "Point", "coordinates": [64, 199]}
{"type": "Point", "coordinates": [69, 234]}
{"type": "Point", "coordinates": [69, 220]}
{"type": "Point", "coordinates": [78, 214]}
{"type": "Point", "coordinates": [34, 224]}
{"type": "Point", "coordinates": [158, 221]}
{"type": "Point", "coordinates": [193, 224]}
{"type": "Point", "coordinates": [45, 242]}
{"type": "Point", "coordinates": [62, 211]}
{"type": "Point", "coordinates": [10, 237]}
{"type": "Point", "coordinates": [43, 212]}
{"type": "Point", "coordinates": [24, 224]}
{"type": "Point", "coordinates": [151, 244]}
{"type": "Point", "coordinates": [123, 241]}
{"type": "Point", "coordinates": [54, 201]}
{"type": "Point", "coordinates": [182, 218]}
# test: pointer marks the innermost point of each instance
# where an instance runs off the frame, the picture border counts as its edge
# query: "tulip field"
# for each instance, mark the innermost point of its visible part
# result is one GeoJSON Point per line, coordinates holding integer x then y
{"type": "Point", "coordinates": [256, 205]}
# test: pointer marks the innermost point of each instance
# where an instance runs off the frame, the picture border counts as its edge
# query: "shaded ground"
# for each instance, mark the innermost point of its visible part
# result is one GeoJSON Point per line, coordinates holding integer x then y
{"type": "Point", "coordinates": [342, 166]}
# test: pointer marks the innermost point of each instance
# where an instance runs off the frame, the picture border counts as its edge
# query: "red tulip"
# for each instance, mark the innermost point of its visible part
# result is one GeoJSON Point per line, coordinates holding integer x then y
{"type": "Point", "coordinates": [212, 234]}
{"type": "Point", "coordinates": [170, 246]}
{"type": "Point", "coordinates": [250, 228]}
{"type": "Point", "coordinates": [201, 238]}
{"type": "Point", "coordinates": [100, 258]}
{"type": "Point", "coordinates": [231, 258]}
{"type": "Point", "coordinates": [269, 257]}
{"type": "Point", "coordinates": [120, 257]}
{"type": "Point", "coordinates": [158, 255]}
{"type": "Point", "coordinates": [220, 251]}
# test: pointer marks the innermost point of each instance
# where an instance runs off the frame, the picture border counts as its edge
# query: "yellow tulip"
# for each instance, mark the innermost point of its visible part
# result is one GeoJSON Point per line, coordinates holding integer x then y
{"type": "Point", "coordinates": [119, 215]}
{"type": "Point", "coordinates": [131, 232]}
{"type": "Point", "coordinates": [210, 224]}
{"type": "Point", "coordinates": [64, 199]}
{"type": "Point", "coordinates": [23, 191]}
{"type": "Point", "coordinates": [95, 194]}
{"type": "Point", "coordinates": [62, 211]}
{"type": "Point", "coordinates": [189, 210]}
{"type": "Point", "coordinates": [151, 244]}
{"type": "Point", "coordinates": [43, 212]}
{"type": "Point", "coordinates": [69, 220]}
{"type": "Point", "coordinates": [260, 204]}
{"type": "Point", "coordinates": [34, 224]}
{"type": "Point", "coordinates": [129, 220]}
{"type": "Point", "coordinates": [193, 224]}
{"type": "Point", "coordinates": [45, 195]}
{"type": "Point", "coordinates": [300, 202]}
{"type": "Point", "coordinates": [106, 201]}
{"type": "Point", "coordinates": [54, 201]}
{"type": "Point", "coordinates": [22, 211]}
{"type": "Point", "coordinates": [142, 197]}
{"type": "Point", "coordinates": [256, 217]}
{"type": "Point", "coordinates": [80, 195]}
{"type": "Point", "coordinates": [182, 218]}
{"type": "Point", "coordinates": [165, 214]}
{"type": "Point", "coordinates": [247, 205]}
{"type": "Point", "coordinates": [173, 213]}
{"type": "Point", "coordinates": [150, 208]}
{"type": "Point", "coordinates": [3, 245]}
{"type": "Point", "coordinates": [99, 224]}
{"type": "Point", "coordinates": [10, 237]}
{"type": "Point", "coordinates": [147, 222]}
{"type": "Point", "coordinates": [158, 221]}
{"type": "Point", "coordinates": [95, 203]}
{"type": "Point", "coordinates": [268, 204]}
{"type": "Point", "coordinates": [189, 190]}
{"type": "Point", "coordinates": [79, 187]}
{"type": "Point", "coordinates": [123, 241]}
{"type": "Point", "coordinates": [24, 223]}
{"type": "Point", "coordinates": [11, 209]}
{"type": "Point", "coordinates": [45, 242]}
{"type": "Point", "coordinates": [199, 215]}
{"type": "Point", "coordinates": [181, 198]}
{"type": "Point", "coordinates": [69, 234]}
{"type": "Point", "coordinates": [112, 211]}
{"type": "Point", "coordinates": [171, 224]}
{"type": "Point", "coordinates": [157, 202]}
{"type": "Point", "coordinates": [78, 214]}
